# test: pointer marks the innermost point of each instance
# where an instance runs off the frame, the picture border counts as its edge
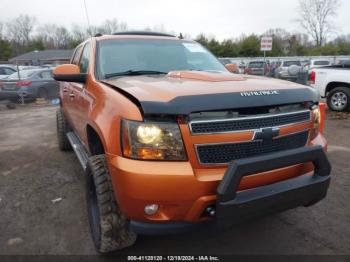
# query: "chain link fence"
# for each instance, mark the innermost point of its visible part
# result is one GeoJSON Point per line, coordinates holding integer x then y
{"type": "Point", "coordinates": [21, 99]}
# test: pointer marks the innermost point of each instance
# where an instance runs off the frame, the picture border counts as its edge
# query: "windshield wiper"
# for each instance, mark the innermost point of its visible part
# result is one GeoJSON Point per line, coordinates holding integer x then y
{"type": "Point", "coordinates": [134, 73]}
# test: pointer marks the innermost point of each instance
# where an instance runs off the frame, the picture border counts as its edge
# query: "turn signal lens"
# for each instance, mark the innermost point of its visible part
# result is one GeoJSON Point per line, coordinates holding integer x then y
{"type": "Point", "coordinates": [322, 116]}
{"type": "Point", "coordinates": [317, 116]}
{"type": "Point", "coordinates": [152, 141]}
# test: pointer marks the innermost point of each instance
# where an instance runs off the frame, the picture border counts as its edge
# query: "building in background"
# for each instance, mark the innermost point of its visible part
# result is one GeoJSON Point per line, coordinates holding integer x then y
{"type": "Point", "coordinates": [44, 57]}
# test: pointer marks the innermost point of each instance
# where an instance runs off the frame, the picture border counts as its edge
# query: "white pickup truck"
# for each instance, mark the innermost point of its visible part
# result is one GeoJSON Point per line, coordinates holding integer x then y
{"type": "Point", "coordinates": [333, 82]}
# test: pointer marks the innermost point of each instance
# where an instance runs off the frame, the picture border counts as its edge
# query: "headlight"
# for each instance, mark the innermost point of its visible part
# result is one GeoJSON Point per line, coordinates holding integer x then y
{"type": "Point", "coordinates": [148, 134]}
{"type": "Point", "coordinates": [152, 141]}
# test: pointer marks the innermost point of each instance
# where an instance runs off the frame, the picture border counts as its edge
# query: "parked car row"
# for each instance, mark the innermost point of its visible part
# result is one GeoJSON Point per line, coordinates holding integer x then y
{"type": "Point", "coordinates": [29, 83]}
{"type": "Point", "coordinates": [240, 66]}
{"type": "Point", "coordinates": [332, 81]}
{"type": "Point", "coordinates": [280, 68]}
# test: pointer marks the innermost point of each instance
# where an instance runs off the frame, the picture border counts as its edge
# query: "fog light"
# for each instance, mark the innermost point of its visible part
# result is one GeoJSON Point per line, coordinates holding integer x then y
{"type": "Point", "coordinates": [151, 209]}
{"type": "Point", "coordinates": [210, 211]}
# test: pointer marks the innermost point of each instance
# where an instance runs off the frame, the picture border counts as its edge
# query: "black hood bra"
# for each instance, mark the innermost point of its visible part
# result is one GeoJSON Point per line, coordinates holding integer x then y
{"type": "Point", "coordinates": [185, 105]}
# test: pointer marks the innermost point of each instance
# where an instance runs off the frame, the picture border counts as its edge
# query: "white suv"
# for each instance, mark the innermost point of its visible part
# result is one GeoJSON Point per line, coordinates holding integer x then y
{"type": "Point", "coordinates": [317, 63]}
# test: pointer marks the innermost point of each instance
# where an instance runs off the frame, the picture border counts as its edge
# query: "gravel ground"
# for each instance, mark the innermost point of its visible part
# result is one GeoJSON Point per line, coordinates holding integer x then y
{"type": "Point", "coordinates": [33, 173]}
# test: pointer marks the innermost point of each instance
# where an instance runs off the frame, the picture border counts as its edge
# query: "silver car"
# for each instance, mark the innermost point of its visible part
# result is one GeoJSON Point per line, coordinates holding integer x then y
{"type": "Point", "coordinates": [29, 84]}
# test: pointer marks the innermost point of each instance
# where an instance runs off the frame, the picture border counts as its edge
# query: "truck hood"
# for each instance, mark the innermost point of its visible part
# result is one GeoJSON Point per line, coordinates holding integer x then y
{"type": "Point", "coordinates": [185, 92]}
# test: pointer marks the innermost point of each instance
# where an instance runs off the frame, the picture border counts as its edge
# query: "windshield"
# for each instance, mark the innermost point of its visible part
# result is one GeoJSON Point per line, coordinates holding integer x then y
{"type": "Point", "coordinates": [256, 64]}
{"type": "Point", "coordinates": [225, 61]}
{"type": "Point", "coordinates": [23, 74]}
{"type": "Point", "coordinates": [321, 63]}
{"type": "Point", "coordinates": [115, 56]}
{"type": "Point", "coordinates": [343, 62]}
{"type": "Point", "coordinates": [290, 63]}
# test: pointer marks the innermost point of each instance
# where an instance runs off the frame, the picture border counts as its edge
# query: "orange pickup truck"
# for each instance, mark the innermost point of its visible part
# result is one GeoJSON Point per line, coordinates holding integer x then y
{"type": "Point", "coordinates": [171, 141]}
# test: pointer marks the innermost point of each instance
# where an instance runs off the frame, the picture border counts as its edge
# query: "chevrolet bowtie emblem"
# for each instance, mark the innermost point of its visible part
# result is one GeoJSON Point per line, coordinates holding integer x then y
{"type": "Point", "coordinates": [266, 133]}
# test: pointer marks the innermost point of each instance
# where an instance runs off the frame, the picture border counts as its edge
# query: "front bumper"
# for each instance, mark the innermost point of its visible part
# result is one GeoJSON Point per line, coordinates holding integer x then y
{"type": "Point", "coordinates": [232, 207]}
{"type": "Point", "coordinates": [8, 95]}
{"type": "Point", "coordinates": [286, 76]}
{"type": "Point", "coordinates": [257, 73]}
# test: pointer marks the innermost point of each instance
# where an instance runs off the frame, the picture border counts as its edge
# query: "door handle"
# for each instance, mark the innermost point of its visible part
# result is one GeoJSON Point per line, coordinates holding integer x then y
{"type": "Point", "coordinates": [71, 95]}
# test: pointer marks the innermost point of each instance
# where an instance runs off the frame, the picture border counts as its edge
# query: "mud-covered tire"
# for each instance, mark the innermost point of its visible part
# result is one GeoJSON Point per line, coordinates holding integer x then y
{"type": "Point", "coordinates": [339, 99]}
{"type": "Point", "coordinates": [109, 227]}
{"type": "Point", "coordinates": [62, 130]}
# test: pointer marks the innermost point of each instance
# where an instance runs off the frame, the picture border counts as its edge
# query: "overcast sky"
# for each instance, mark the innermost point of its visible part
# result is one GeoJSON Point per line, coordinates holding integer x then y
{"type": "Point", "coordinates": [222, 18]}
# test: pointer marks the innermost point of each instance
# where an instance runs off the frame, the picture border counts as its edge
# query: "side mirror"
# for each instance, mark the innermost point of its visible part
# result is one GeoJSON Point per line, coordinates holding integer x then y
{"type": "Point", "coordinates": [232, 68]}
{"type": "Point", "coordinates": [69, 73]}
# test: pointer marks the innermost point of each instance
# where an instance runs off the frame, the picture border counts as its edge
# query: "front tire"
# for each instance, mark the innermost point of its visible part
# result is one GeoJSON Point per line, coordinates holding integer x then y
{"type": "Point", "coordinates": [109, 227]}
{"type": "Point", "coordinates": [339, 99]}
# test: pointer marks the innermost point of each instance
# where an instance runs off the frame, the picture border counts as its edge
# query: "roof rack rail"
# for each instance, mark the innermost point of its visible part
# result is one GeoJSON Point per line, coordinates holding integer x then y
{"type": "Point", "coordinates": [143, 33]}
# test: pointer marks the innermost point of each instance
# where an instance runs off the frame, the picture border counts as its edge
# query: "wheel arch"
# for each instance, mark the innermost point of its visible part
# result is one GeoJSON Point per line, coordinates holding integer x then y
{"type": "Point", "coordinates": [95, 140]}
{"type": "Point", "coordinates": [42, 89]}
{"type": "Point", "coordinates": [333, 85]}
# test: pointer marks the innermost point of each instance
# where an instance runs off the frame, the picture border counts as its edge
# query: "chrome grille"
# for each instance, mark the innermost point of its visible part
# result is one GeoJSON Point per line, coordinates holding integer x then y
{"type": "Point", "coordinates": [248, 123]}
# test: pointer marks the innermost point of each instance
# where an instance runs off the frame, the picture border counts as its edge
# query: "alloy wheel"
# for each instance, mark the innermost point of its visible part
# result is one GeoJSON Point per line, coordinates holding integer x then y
{"type": "Point", "coordinates": [339, 100]}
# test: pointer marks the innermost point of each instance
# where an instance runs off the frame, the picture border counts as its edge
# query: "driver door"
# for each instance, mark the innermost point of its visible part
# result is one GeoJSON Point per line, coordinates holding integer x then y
{"type": "Point", "coordinates": [66, 91]}
{"type": "Point", "coordinates": [79, 96]}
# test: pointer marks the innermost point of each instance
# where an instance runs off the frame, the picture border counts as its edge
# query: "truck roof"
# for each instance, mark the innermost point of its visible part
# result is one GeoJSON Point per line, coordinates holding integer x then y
{"type": "Point", "coordinates": [143, 33]}
{"type": "Point", "coordinates": [137, 35]}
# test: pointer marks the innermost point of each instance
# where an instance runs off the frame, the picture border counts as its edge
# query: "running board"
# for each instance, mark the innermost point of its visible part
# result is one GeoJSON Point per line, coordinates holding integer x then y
{"type": "Point", "coordinates": [79, 149]}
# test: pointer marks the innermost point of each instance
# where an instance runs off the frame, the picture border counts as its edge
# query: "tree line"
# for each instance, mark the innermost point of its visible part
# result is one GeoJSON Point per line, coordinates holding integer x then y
{"type": "Point", "coordinates": [24, 34]}
{"type": "Point", "coordinates": [284, 44]}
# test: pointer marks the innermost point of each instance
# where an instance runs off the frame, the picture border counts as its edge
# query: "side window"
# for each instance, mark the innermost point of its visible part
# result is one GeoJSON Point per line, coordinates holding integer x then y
{"type": "Point", "coordinates": [46, 75]}
{"type": "Point", "coordinates": [9, 71]}
{"type": "Point", "coordinates": [2, 71]}
{"type": "Point", "coordinates": [84, 61]}
{"type": "Point", "coordinates": [76, 57]}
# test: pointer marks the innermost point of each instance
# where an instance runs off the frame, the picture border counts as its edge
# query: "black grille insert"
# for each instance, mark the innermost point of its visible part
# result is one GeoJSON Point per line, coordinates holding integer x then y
{"type": "Point", "coordinates": [249, 123]}
{"type": "Point", "coordinates": [224, 153]}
